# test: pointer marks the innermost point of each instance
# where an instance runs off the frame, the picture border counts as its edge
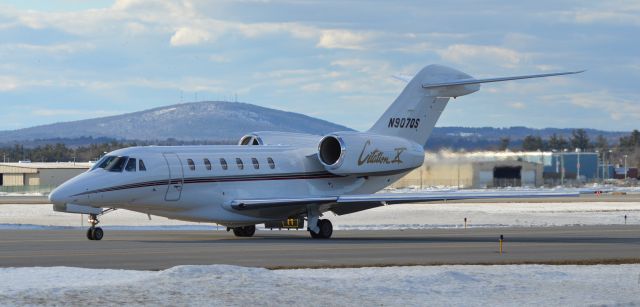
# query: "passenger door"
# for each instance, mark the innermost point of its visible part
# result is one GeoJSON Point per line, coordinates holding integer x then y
{"type": "Point", "coordinates": [176, 177]}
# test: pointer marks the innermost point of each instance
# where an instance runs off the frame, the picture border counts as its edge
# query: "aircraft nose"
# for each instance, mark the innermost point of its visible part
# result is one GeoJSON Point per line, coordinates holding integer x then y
{"type": "Point", "coordinates": [59, 196]}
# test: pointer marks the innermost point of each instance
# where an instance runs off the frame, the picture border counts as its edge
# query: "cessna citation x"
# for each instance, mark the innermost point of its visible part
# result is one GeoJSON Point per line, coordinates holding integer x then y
{"type": "Point", "coordinates": [278, 178]}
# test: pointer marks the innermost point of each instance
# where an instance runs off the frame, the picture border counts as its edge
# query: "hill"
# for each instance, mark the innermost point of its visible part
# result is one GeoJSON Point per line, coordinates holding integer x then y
{"type": "Point", "coordinates": [207, 120]}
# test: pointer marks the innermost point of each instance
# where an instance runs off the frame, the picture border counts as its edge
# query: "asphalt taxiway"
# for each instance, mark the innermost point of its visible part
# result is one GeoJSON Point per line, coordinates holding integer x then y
{"type": "Point", "coordinates": [160, 249]}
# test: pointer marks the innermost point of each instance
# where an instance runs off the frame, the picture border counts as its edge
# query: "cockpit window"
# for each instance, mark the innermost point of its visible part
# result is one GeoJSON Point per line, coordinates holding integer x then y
{"type": "Point", "coordinates": [116, 164]}
{"type": "Point", "coordinates": [103, 162]}
{"type": "Point", "coordinates": [141, 166]}
{"type": "Point", "coordinates": [131, 165]}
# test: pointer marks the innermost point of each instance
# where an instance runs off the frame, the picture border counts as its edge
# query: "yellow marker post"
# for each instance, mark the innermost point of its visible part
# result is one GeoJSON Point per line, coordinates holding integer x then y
{"type": "Point", "coordinates": [501, 239]}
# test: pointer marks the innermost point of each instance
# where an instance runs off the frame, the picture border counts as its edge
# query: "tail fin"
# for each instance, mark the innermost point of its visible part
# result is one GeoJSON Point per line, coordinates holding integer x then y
{"type": "Point", "coordinates": [414, 114]}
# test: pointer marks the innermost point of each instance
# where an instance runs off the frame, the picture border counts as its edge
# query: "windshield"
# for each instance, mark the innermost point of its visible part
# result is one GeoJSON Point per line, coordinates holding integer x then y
{"type": "Point", "coordinates": [116, 164]}
{"type": "Point", "coordinates": [103, 162]}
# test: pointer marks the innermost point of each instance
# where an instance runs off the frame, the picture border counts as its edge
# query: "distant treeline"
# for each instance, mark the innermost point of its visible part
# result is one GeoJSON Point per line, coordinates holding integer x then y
{"type": "Point", "coordinates": [92, 149]}
{"type": "Point", "coordinates": [61, 152]}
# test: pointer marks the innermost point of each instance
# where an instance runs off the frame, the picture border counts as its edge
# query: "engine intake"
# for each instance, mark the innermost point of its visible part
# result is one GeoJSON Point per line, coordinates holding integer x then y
{"type": "Point", "coordinates": [331, 149]}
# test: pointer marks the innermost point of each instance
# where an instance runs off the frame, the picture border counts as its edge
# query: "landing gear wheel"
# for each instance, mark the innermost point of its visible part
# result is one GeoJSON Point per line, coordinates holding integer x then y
{"type": "Point", "coordinates": [97, 233]}
{"type": "Point", "coordinates": [94, 233]}
{"type": "Point", "coordinates": [244, 231]}
{"type": "Point", "coordinates": [326, 230]}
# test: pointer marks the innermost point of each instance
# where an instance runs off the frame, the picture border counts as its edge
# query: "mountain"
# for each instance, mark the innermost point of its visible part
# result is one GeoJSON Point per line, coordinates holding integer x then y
{"type": "Point", "coordinates": [207, 120]}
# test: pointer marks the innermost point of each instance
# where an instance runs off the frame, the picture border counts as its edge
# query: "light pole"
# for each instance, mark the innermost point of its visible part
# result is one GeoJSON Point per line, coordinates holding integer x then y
{"type": "Point", "coordinates": [578, 165]}
{"type": "Point", "coordinates": [610, 152]}
{"type": "Point", "coordinates": [597, 165]}
{"type": "Point", "coordinates": [562, 167]}
{"type": "Point", "coordinates": [625, 167]}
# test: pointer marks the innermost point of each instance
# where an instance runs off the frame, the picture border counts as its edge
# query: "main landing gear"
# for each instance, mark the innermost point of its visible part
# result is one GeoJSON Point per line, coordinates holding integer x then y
{"type": "Point", "coordinates": [244, 231]}
{"type": "Point", "coordinates": [94, 233]}
{"type": "Point", "coordinates": [318, 229]}
{"type": "Point", "coordinates": [325, 229]}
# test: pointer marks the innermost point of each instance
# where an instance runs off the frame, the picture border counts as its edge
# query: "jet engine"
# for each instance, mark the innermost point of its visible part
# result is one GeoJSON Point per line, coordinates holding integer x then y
{"type": "Point", "coordinates": [348, 153]}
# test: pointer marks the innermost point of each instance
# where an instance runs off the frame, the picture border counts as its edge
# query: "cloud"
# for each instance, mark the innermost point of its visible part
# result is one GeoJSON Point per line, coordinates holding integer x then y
{"type": "Point", "coordinates": [517, 105]}
{"type": "Point", "coordinates": [186, 36]}
{"type": "Point", "coordinates": [615, 106]}
{"type": "Point", "coordinates": [465, 54]}
{"type": "Point", "coordinates": [8, 83]}
{"type": "Point", "coordinates": [343, 39]}
{"type": "Point", "coordinates": [67, 48]}
{"type": "Point", "coordinates": [602, 17]}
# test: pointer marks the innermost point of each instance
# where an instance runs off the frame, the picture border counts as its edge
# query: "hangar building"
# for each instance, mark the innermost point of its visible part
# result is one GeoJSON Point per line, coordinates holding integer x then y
{"type": "Point", "coordinates": [474, 170]}
{"type": "Point", "coordinates": [39, 174]}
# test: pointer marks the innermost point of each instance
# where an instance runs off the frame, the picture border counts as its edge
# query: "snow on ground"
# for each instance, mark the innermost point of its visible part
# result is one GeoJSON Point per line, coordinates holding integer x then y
{"type": "Point", "coordinates": [451, 215]}
{"type": "Point", "coordinates": [222, 285]}
{"type": "Point", "coordinates": [404, 216]}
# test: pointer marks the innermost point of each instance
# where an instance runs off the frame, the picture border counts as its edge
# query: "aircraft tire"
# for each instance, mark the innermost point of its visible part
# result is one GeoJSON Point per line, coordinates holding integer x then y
{"type": "Point", "coordinates": [249, 231]}
{"type": "Point", "coordinates": [90, 234]}
{"type": "Point", "coordinates": [244, 231]}
{"type": "Point", "coordinates": [97, 234]}
{"type": "Point", "coordinates": [326, 229]}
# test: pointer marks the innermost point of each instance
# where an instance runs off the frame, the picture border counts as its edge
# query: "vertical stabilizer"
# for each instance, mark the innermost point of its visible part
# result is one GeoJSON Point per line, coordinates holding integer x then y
{"type": "Point", "coordinates": [415, 112]}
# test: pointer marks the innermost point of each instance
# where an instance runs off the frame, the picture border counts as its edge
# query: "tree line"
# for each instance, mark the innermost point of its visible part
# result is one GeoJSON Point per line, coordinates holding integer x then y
{"type": "Point", "coordinates": [61, 152]}
{"type": "Point", "coordinates": [628, 146]}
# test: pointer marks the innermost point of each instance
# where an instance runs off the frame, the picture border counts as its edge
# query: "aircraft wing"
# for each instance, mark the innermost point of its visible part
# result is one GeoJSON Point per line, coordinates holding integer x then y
{"type": "Point", "coordinates": [344, 202]}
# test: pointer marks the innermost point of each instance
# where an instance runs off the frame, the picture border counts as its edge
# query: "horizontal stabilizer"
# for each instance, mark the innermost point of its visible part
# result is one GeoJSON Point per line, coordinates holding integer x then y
{"type": "Point", "coordinates": [478, 81]}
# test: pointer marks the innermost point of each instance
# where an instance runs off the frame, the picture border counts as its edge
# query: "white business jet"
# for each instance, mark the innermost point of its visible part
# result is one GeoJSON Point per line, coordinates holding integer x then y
{"type": "Point", "coordinates": [277, 178]}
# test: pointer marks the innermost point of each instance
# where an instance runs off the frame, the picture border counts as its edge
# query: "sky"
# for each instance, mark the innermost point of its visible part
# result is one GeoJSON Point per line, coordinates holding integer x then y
{"type": "Point", "coordinates": [70, 59]}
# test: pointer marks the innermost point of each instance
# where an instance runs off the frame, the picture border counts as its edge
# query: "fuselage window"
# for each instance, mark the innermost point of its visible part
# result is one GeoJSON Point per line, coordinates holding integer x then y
{"type": "Point", "coordinates": [116, 164]}
{"type": "Point", "coordinates": [223, 163]}
{"type": "Point", "coordinates": [256, 165]}
{"type": "Point", "coordinates": [141, 166]}
{"type": "Point", "coordinates": [239, 163]}
{"type": "Point", "coordinates": [131, 165]}
{"type": "Point", "coordinates": [192, 166]}
{"type": "Point", "coordinates": [272, 164]}
{"type": "Point", "coordinates": [207, 164]}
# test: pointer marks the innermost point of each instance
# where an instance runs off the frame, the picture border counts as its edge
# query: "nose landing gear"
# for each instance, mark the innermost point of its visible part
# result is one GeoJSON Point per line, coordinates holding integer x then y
{"type": "Point", "coordinates": [94, 233]}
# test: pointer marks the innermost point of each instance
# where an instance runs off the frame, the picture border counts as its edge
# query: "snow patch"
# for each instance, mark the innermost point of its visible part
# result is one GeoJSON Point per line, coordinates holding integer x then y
{"type": "Point", "coordinates": [224, 285]}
